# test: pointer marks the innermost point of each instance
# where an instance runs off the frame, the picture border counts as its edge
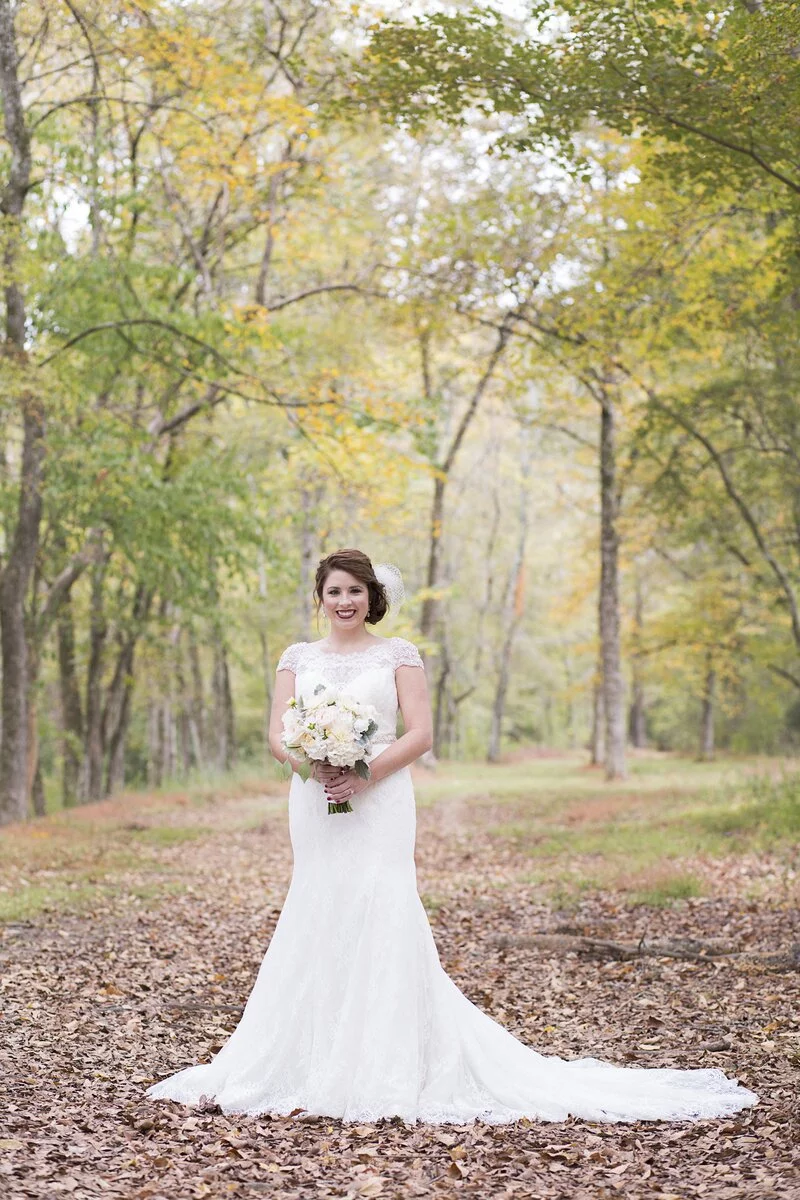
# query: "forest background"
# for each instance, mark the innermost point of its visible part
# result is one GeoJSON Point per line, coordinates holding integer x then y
{"type": "Point", "coordinates": [507, 298]}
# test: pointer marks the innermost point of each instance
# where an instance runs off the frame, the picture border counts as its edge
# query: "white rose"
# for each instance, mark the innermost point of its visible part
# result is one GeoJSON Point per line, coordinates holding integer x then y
{"type": "Point", "coordinates": [340, 755]}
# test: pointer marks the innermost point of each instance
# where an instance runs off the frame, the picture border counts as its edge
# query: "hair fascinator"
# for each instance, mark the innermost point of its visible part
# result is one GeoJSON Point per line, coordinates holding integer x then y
{"type": "Point", "coordinates": [390, 578]}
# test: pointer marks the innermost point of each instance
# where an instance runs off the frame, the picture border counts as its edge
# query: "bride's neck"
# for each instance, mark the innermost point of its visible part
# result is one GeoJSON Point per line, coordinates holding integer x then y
{"type": "Point", "coordinates": [348, 639]}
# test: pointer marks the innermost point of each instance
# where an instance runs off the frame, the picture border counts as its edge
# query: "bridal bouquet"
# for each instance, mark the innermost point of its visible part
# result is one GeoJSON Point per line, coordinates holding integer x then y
{"type": "Point", "coordinates": [332, 727]}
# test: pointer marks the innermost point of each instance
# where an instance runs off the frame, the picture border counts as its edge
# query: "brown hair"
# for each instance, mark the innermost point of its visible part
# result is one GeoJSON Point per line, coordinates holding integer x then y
{"type": "Point", "coordinates": [356, 563]}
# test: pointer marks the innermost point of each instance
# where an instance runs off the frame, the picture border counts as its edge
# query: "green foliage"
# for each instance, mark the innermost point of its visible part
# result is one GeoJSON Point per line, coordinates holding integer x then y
{"type": "Point", "coordinates": [722, 89]}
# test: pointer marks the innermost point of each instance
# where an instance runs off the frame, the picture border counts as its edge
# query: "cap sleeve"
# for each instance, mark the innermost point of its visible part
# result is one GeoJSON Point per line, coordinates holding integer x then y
{"type": "Point", "coordinates": [405, 654]}
{"type": "Point", "coordinates": [290, 659]}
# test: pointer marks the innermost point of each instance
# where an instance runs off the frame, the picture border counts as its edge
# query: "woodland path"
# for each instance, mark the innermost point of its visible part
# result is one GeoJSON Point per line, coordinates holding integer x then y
{"type": "Point", "coordinates": [99, 1002]}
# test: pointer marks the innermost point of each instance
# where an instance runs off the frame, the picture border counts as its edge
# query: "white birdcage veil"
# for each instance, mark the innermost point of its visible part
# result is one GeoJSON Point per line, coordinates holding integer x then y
{"type": "Point", "coordinates": [389, 576]}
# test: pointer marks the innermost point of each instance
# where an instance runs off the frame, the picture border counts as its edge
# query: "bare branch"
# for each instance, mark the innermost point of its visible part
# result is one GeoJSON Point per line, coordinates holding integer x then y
{"type": "Point", "coordinates": [89, 552]}
{"type": "Point", "coordinates": [277, 305]}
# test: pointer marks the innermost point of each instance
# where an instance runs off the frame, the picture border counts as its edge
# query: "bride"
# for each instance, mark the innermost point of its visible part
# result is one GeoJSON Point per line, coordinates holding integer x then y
{"type": "Point", "coordinates": [352, 1014]}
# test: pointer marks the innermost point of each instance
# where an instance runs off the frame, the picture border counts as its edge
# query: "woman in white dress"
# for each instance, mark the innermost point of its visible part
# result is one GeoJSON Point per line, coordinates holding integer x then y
{"type": "Point", "coordinates": [352, 1015]}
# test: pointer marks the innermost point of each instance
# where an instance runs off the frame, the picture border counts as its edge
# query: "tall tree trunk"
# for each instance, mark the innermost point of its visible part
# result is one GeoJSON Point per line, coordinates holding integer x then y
{"type": "Point", "coordinates": [115, 766]}
{"type": "Point", "coordinates": [433, 572]}
{"type": "Point", "coordinates": [431, 606]}
{"type": "Point", "coordinates": [32, 768]}
{"type": "Point", "coordinates": [71, 708]}
{"type": "Point", "coordinates": [596, 741]}
{"type": "Point", "coordinates": [197, 723]}
{"type": "Point", "coordinates": [513, 607]}
{"type": "Point", "coordinates": [155, 758]}
{"type": "Point", "coordinates": [91, 786]}
{"type": "Point", "coordinates": [37, 791]}
{"type": "Point", "coordinates": [428, 616]}
{"type": "Point", "coordinates": [309, 550]}
{"type": "Point", "coordinates": [266, 669]}
{"type": "Point", "coordinates": [613, 685]}
{"type": "Point", "coordinates": [13, 635]}
{"type": "Point", "coordinates": [25, 540]}
{"type": "Point", "coordinates": [638, 714]}
{"type": "Point", "coordinates": [707, 746]}
{"type": "Point", "coordinates": [117, 710]}
{"type": "Point", "coordinates": [223, 708]}
{"type": "Point", "coordinates": [501, 691]}
{"type": "Point", "coordinates": [184, 708]}
{"type": "Point", "coordinates": [440, 705]}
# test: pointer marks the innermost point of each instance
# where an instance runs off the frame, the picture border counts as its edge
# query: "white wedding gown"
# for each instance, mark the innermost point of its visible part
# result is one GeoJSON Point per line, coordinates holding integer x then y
{"type": "Point", "coordinates": [352, 1014]}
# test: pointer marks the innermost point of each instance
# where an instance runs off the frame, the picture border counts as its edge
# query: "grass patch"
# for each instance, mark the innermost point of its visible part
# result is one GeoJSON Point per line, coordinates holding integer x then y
{"type": "Point", "coordinates": [664, 891]}
{"type": "Point", "coordinates": [431, 903]}
{"type": "Point", "coordinates": [77, 895]}
{"type": "Point", "coordinates": [168, 835]}
{"type": "Point", "coordinates": [644, 838]}
{"type": "Point", "coordinates": [119, 849]}
{"type": "Point", "coordinates": [764, 813]}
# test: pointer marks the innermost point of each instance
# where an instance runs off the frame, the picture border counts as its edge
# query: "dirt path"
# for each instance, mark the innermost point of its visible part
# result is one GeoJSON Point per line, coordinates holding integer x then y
{"type": "Point", "coordinates": [97, 1005]}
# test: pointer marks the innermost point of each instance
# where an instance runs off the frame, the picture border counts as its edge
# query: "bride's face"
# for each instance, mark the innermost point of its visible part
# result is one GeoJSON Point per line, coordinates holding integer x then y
{"type": "Point", "coordinates": [345, 600]}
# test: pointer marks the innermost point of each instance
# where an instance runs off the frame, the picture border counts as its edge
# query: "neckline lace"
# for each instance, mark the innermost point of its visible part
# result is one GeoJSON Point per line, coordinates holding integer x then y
{"type": "Point", "coordinates": [346, 654]}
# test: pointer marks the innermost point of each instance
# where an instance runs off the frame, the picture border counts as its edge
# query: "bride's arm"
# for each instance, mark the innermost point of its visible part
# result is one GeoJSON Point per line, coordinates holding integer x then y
{"type": "Point", "coordinates": [412, 695]}
{"type": "Point", "coordinates": [284, 690]}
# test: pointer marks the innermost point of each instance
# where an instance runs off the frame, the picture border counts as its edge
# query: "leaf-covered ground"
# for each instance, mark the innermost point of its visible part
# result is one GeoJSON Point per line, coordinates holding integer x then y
{"type": "Point", "coordinates": [150, 969]}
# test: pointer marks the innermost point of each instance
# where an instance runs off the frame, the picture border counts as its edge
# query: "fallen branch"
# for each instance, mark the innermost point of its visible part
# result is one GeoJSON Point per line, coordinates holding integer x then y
{"type": "Point", "coordinates": [687, 949]}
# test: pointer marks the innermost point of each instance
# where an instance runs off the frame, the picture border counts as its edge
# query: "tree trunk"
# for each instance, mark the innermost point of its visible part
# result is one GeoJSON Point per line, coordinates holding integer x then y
{"type": "Point", "coordinates": [501, 691]}
{"type": "Point", "coordinates": [91, 786]}
{"type": "Point", "coordinates": [707, 747]}
{"type": "Point", "coordinates": [513, 609]}
{"type": "Point", "coordinates": [32, 737]}
{"type": "Point", "coordinates": [433, 573]}
{"type": "Point", "coordinates": [638, 714]}
{"type": "Point", "coordinates": [13, 636]}
{"type": "Point", "coordinates": [309, 550]}
{"type": "Point", "coordinates": [71, 708]}
{"type": "Point", "coordinates": [117, 710]}
{"type": "Point", "coordinates": [444, 469]}
{"type": "Point", "coordinates": [197, 724]}
{"type": "Point", "coordinates": [115, 768]}
{"type": "Point", "coordinates": [37, 791]}
{"type": "Point", "coordinates": [155, 761]}
{"type": "Point", "coordinates": [266, 670]}
{"type": "Point", "coordinates": [223, 708]}
{"type": "Point", "coordinates": [613, 686]}
{"type": "Point", "coordinates": [596, 746]}
{"type": "Point", "coordinates": [185, 744]}
{"type": "Point", "coordinates": [440, 699]}
{"type": "Point", "coordinates": [25, 540]}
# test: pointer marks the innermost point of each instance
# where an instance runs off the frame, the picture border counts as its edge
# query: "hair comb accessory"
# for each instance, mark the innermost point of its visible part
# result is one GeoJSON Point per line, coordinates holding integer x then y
{"type": "Point", "coordinates": [389, 576]}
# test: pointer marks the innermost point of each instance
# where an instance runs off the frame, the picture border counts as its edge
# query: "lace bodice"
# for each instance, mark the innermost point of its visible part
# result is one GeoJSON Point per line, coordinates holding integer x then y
{"type": "Point", "coordinates": [367, 674]}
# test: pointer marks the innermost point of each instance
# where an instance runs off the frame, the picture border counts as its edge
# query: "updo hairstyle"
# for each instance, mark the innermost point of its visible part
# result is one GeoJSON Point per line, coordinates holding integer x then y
{"type": "Point", "coordinates": [357, 564]}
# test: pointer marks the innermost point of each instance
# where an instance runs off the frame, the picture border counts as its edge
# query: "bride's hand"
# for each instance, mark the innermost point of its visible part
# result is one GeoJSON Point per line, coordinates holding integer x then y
{"type": "Point", "coordinates": [324, 773]}
{"type": "Point", "coordinates": [345, 786]}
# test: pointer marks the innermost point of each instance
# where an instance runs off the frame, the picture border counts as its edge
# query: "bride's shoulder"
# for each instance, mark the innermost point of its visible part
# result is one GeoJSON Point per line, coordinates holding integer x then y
{"type": "Point", "coordinates": [405, 653]}
{"type": "Point", "coordinates": [290, 659]}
